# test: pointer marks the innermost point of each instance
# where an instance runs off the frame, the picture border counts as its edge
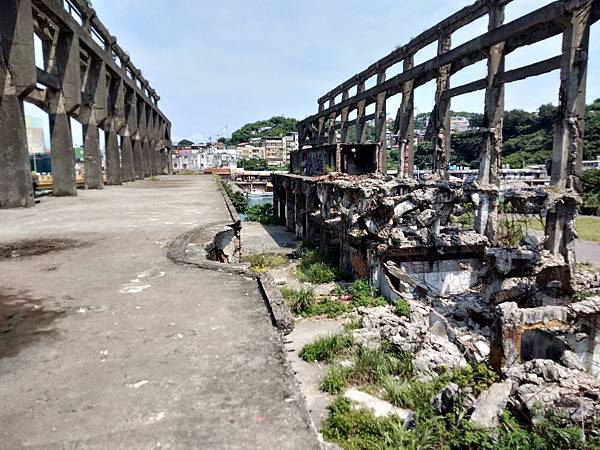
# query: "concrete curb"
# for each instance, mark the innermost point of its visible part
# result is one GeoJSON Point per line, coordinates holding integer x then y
{"type": "Point", "coordinates": [280, 313]}
{"type": "Point", "coordinates": [204, 235]}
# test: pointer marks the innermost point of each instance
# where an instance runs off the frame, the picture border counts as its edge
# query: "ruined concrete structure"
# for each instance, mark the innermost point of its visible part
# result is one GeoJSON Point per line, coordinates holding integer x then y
{"type": "Point", "coordinates": [86, 75]}
{"type": "Point", "coordinates": [407, 235]}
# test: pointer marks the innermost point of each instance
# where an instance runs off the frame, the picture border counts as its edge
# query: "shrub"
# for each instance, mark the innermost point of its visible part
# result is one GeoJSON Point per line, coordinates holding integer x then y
{"type": "Point", "coordinates": [317, 273]}
{"type": "Point", "coordinates": [401, 308]}
{"type": "Point", "coordinates": [363, 294]}
{"type": "Point", "coordinates": [316, 267]}
{"type": "Point", "coordinates": [326, 348]}
{"type": "Point", "coordinates": [262, 214]}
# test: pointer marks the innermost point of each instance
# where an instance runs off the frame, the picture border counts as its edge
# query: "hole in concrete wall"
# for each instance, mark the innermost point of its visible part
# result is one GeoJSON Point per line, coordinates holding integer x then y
{"type": "Point", "coordinates": [352, 91]}
{"type": "Point", "coordinates": [98, 38]}
{"type": "Point", "coordinates": [470, 31]}
{"type": "Point", "coordinates": [370, 82]}
{"type": "Point", "coordinates": [38, 48]}
{"type": "Point", "coordinates": [541, 344]}
{"type": "Point", "coordinates": [102, 140]}
{"type": "Point", "coordinates": [394, 70]}
{"type": "Point", "coordinates": [529, 54]}
{"type": "Point", "coordinates": [38, 138]}
{"type": "Point", "coordinates": [593, 81]}
{"type": "Point", "coordinates": [426, 53]}
{"type": "Point", "coordinates": [519, 8]}
{"type": "Point", "coordinates": [469, 74]}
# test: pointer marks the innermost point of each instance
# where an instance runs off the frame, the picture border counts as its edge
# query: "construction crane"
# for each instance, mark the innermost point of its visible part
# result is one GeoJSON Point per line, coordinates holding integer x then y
{"type": "Point", "coordinates": [222, 132]}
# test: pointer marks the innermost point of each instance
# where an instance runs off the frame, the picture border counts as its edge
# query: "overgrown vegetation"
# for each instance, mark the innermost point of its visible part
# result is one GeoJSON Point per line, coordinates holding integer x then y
{"type": "Point", "coordinates": [262, 214]}
{"type": "Point", "coordinates": [527, 138]}
{"type": "Point", "coordinates": [276, 126]}
{"type": "Point", "coordinates": [264, 262]}
{"type": "Point", "coordinates": [316, 267]}
{"type": "Point", "coordinates": [238, 199]}
{"type": "Point", "coordinates": [356, 429]}
{"type": "Point", "coordinates": [401, 307]}
{"type": "Point", "coordinates": [303, 301]}
{"type": "Point", "coordinates": [326, 348]}
{"type": "Point", "coordinates": [253, 164]}
{"type": "Point", "coordinates": [389, 375]}
{"type": "Point", "coordinates": [590, 181]}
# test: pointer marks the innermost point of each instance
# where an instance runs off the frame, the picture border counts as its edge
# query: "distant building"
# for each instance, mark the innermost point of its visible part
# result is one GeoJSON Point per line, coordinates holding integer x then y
{"type": "Point", "coordinates": [459, 125]}
{"type": "Point", "coordinates": [591, 164]}
{"type": "Point", "coordinates": [247, 151]}
{"type": "Point", "coordinates": [201, 157]}
{"type": "Point", "coordinates": [35, 135]}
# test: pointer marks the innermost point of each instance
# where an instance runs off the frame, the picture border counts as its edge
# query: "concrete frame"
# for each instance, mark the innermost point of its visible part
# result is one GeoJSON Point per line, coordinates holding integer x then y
{"type": "Point", "coordinates": [570, 18]}
{"type": "Point", "coordinates": [86, 76]}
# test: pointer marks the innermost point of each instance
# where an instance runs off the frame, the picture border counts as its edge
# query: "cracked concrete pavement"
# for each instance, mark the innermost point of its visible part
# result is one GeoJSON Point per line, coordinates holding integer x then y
{"type": "Point", "coordinates": [111, 345]}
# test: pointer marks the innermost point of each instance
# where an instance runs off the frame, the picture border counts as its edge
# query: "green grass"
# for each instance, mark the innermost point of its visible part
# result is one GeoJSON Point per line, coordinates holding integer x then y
{"type": "Point", "coordinates": [401, 307]}
{"type": "Point", "coordinates": [588, 228]}
{"type": "Point", "coordinates": [304, 303]}
{"type": "Point", "coordinates": [263, 262]}
{"type": "Point", "coordinates": [326, 348]}
{"type": "Point", "coordinates": [316, 267]}
{"type": "Point", "coordinates": [300, 301]}
{"type": "Point", "coordinates": [370, 367]}
{"type": "Point", "coordinates": [359, 429]}
{"type": "Point", "coordinates": [363, 294]}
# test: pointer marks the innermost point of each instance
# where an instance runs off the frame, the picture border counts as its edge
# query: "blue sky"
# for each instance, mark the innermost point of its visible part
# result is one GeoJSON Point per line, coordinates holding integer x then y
{"type": "Point", "coordinates": [229, 62]}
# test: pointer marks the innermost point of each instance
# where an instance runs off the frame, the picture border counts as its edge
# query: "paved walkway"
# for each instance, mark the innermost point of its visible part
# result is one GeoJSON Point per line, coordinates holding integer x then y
{"type": "Point", "coordinates": [109, 345]}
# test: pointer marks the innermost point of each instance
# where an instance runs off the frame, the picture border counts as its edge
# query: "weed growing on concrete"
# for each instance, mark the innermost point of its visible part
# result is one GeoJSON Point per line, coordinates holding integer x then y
{"type": "Point", "coordinates": [354, 428]}
{"type": "Point", "coordinates": [263, 262]}
{"type": "Point", "coordinates": [401, 307]}
{"type": "Point", "coordinates": [154, 178]}
{"type": "Point", "coordinates": [300, 301]}
{"type": "Point", "coordinates": [370, 367]}
{"type": "Point", "coordinates": [326, 348]}
{"type": "Point", "coordinates": [316, 267]}
{"type": "Point", "coordinates": [363, 294]}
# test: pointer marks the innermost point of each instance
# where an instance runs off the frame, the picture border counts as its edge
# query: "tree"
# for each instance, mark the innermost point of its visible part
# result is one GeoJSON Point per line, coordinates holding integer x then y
{"type": "Point", "coordinates": [277, 126]}
{"type": "Point", "coordinates": [184, 143]}
{"type": "Point", "coordinates": [253, 164]}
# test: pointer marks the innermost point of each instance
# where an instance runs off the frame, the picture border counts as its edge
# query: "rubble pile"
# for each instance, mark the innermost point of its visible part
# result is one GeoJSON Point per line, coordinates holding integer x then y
{"type": "Point", "coordinates": [401, 212]}
{"type": "Point", "coordinates": [454, 330]}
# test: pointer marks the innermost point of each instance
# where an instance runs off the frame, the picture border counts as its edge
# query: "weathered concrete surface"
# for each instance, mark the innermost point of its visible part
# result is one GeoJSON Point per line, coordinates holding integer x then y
{"type": "Point", "coordinates": [120, 348]}
{"type": "Point", "coordinates": [257, 238]}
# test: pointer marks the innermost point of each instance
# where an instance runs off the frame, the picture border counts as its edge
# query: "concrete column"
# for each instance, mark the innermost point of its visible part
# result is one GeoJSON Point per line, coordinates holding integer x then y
{"type": "Point", "coordinates": [486, 220]}
{"type": "Point", "coordinates": [61, 144]}
{"type": "Point", "coordinates": [360, 115]}
{"type": "Point", "coordinates": [344, 126]}
{"type": "Point", "coordinates": [440, 117]}
{"type": "Point", "coordinates": [568, 141]}
{"type": "Point", "coordinates": [138, 157]}
{"type": "Point", "coordinates": [380, 125]}
{"type": "Point", "coordinates": [405, 125]}
{"type": "Point", "coordinates": [113, 157]}
{"type": "Point", "coordinates": [152, 153]}
{"type": "Point", "coordinates": [17, 78]}
{"type": "Point", "coordinates": [92, 159]}
{"type": "Point", "coordinates": [127, 172]}
{"type": "Point", "coordinates": [146, 153]}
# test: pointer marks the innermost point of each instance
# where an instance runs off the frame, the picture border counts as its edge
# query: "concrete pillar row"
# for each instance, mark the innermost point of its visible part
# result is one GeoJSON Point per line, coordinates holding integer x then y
{"type": "Point", "coordinates": [152, 150]}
